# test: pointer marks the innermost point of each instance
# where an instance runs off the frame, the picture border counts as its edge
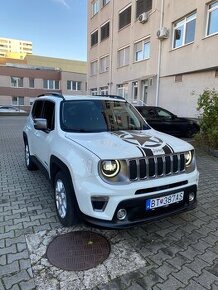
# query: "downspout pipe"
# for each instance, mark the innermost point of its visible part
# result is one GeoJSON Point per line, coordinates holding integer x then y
{"type": "Point", "coordinates": [159, 56]}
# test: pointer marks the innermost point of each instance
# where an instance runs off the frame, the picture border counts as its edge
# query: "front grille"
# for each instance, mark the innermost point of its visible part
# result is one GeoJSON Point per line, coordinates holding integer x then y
{"type": "Point", "coordinates": [156, 166]}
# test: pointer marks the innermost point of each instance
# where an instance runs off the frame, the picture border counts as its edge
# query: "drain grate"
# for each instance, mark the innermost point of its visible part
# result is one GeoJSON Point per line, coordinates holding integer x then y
{"type": "Point", "coordinates": [78, 251]}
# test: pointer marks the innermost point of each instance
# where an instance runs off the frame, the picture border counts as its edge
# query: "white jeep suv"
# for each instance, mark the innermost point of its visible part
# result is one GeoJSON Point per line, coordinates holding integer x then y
{"type": "Point", "coordinates": [106, 163]}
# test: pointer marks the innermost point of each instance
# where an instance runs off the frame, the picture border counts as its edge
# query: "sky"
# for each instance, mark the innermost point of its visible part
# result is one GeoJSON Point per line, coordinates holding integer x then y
{"type": "Point", "coordinates": [57, 28]}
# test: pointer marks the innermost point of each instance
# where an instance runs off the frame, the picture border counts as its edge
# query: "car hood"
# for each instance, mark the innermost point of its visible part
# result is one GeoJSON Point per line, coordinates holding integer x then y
{"type": "Point", "coordinates": [129, 144]}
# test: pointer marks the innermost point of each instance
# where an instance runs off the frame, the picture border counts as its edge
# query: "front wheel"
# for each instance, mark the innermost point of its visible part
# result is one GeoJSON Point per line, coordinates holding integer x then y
{"type": "Point", "coordinates": [65, 200]}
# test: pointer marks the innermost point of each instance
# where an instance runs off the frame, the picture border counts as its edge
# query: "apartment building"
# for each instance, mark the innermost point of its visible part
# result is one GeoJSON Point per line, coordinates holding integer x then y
{"type": "Point", "coordinates": [22, 82]}
{"type": "Point", "coordinates": [160, 52]}
{"type": "Point", "coordinates": [14, 48]}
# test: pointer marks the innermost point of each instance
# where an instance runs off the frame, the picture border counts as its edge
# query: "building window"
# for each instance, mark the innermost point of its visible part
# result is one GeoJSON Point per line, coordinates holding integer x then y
{"type": "Point", "coordinates": [94, 38]}
{"type": "Point", "coordinates": [95, 7]}
{"type": "Point", "coordinates": [125, 17]}
{"type": "Point", "coordinates": [216, 73]}
{"type": "Point", "coordinates": [18, 101]}
{"type": "Point", "coordinates": [104, 64]}
{"type": "Point", "coordinates": [123, 57]}
{"type": "Point", "coordinates": [31, 83]}
{"type": "Point", "coordinates": [184, 31]}
{"type": "Point", "coordinates": [134, 92]}
{"type": "Point", "coordinates": [143, 6]}
{"type": "Point", "coordinates": [104, 90]}
{"type": "Point", "coordinates": [74, 86]}
{"type": "Point", "coordinates": [212, 18]}
{"type": "Point", "coordinates": [94, 68]}
{"type": "Point", "coordinates": [122, 90]}
{"type": "Point", "coordinates": [105, 2]}
{"type": "Point", "coordinates": [178, 78]}
{"type": "Point", "coordinates": [144, 92]}
{"type": "Point", "coordinates": [51, 84]}
{"type": "Point", "coordinates": [17, 82]}
{"type": "Point", "coordinates": [105, 31]}
{"type": "Point", "coordinates": [142, 50]}
{"type": "Point", "coordinates": [94, 91]}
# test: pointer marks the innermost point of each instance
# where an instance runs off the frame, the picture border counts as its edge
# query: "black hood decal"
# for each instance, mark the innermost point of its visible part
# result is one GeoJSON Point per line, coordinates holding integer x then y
{"type": "Point", "coordinates": [148, 145]}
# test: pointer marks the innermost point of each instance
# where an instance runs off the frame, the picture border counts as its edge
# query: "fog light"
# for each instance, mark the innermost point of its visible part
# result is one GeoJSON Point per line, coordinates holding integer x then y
{"type": "Point", "coordinates": [191, 196]}
{"type": "Point", "coordinates": [121, 214]}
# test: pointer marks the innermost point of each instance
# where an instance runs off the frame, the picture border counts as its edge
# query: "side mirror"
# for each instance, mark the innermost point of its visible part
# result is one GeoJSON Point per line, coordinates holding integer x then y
{"type": "Point", "coordinates": [40, 124]}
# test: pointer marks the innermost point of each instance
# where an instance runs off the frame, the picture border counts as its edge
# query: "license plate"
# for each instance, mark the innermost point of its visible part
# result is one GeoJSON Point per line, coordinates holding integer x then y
{"type": "Point", "coordinates": [164, 200]}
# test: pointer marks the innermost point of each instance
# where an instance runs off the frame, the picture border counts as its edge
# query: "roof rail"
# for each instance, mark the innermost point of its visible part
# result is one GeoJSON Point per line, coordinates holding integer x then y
{"type": "Point", "coordinates": [111, 96]}
{"type": "Point", "coordinates": [58, 95]}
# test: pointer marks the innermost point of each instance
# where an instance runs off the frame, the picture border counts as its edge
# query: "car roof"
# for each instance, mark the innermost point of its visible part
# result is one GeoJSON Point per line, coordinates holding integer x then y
{"type": "Point", "coordinates": [56, 97]}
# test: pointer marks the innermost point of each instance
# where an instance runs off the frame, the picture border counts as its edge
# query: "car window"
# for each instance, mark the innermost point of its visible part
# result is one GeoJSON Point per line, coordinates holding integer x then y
{"type": "Point", "coordinates": [37, 109]}
{"type": "Point", "coordinates": [99, 116]}
{"type": "Point", "coordinates": [49, 114]}
{"type": "Point", "coordinates": [163, 114]}
{"type": "Point", "coordinates": [147, 112]}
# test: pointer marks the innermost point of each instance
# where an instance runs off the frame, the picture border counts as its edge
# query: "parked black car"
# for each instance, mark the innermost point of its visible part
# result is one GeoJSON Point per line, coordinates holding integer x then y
{"type": "Point", "coordinates": [165, 121]}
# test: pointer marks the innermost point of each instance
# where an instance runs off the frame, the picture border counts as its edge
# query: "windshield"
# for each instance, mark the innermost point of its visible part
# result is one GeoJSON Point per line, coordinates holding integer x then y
{"type": "Point", "coordinates": [99, 116]}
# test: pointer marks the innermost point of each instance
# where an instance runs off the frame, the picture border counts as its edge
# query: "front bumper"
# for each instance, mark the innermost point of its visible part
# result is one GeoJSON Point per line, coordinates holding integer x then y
{"type": "Point", "coordinates": [137, 213]}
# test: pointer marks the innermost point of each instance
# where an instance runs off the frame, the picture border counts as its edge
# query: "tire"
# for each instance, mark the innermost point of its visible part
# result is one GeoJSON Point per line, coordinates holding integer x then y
{"type": "Point", "coordinates": [31, 166]}
{"type": "Point", "coordinates": [65, 200]}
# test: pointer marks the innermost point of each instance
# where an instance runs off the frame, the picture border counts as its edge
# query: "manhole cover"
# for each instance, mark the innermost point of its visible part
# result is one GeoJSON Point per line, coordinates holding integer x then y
{"type": "Point", "coordinates": [78, 251]}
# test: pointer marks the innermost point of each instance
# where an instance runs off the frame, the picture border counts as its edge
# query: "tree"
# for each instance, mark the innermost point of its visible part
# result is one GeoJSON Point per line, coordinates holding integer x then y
{"type": "Point", "coordinates": [208, 106]}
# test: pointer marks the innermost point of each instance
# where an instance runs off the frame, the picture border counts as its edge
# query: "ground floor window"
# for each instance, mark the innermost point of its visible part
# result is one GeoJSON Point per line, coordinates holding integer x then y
{"type": "Point", "coordinates": [104, 90]}
{"type": "Point", "coordinates": [134, 92]}
{"type": "Point", "coordinates": [51, 84]}
{"type": "Point", "coordinates": [74, 85]}
{"type": "Point", "coordinates": [144, 91]}
{"type": "Point", "coordinates": [94, 91]}
{"type": "Point", "coordinates": [122, 90]}
{"type": "Point", "coordinates": [18, 101]}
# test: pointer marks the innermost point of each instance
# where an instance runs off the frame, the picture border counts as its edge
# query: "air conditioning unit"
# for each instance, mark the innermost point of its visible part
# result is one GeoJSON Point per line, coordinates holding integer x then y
{"type": "Point", "coordinates": [143, 17]}
{"type": "Point", "coordinates": [163, 33]}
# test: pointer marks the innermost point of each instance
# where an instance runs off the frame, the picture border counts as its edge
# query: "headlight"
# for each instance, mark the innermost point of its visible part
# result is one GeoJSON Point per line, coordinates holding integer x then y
{"type": "Point", "coordinates": [110, 168]}
{"type": "Point", "coordinates": [188, 158]}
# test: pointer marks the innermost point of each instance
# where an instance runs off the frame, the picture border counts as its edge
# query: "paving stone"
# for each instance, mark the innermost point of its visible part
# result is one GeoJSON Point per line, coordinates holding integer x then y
{"type": "Point", "coordinates": [164, 270]}
{"type": "Point", "coordinates": [18, 256]}
{"type": "Point", "coordinates": [3, 260]}
{"type": "Point", "coordinates": [6, 250]}
{"type": "Point", "coordinates": [208, 256]}
{"type": "Point", "coordinates": [206, 279]}
{"type": "Point", "coordinates": [9, 268]}
{"type": "Point", "coordinates": [194, 286]}
{"type": "Point", "coordinates": [14, 279]}
{"type": "Point", "coordinates": [171, 283]}
{"type": "Point", "coordinates": [184, 275]}
{"type": "Point", "coordinates": [190, 253]}
{"type": "Point", "coordinates": [178, 261]}
{"type": "Point", "coordinates": [197, 265]}
{"type": "Point", "coordinates": [28, 285]}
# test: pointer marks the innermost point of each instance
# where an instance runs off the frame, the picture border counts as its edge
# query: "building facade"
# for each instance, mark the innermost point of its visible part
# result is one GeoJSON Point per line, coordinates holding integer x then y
{"type": "Point", "coordinates": [155, 52]}
{"type": "Point", "coordinates": [14, 48]}
{"type": "Point", "coordinates": [21, 83]}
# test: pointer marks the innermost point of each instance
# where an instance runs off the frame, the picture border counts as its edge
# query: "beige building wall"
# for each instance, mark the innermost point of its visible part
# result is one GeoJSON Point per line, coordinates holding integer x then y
{"type": "Point", "coordinates": [59, 63]}
{"type": "Point", "coordinates": [15, 48]}
{"type": "Point", "coordinates": [196, 63]}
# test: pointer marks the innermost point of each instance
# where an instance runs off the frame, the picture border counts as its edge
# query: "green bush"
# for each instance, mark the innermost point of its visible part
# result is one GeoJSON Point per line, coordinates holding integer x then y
{"type": "Point", "coordinates": [208, 106]}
